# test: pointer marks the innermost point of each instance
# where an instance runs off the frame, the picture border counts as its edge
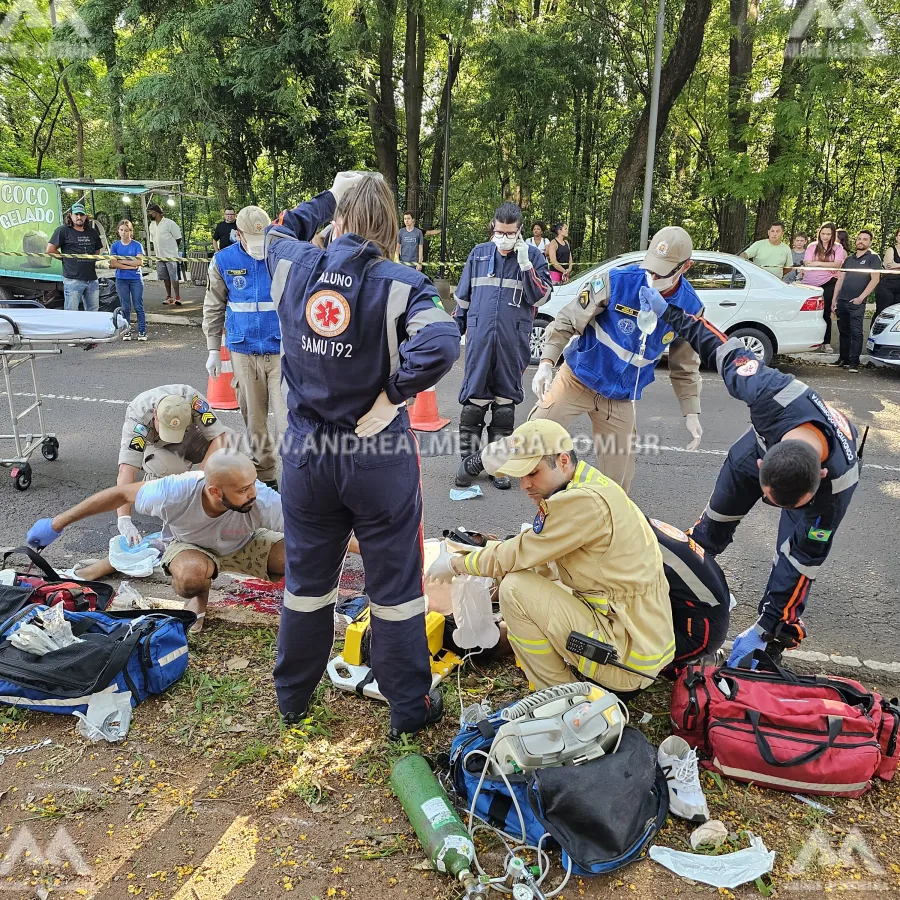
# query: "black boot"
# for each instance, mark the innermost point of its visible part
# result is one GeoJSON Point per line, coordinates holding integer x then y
{"type": "Point", "coordinates": [503, 423]}
{"type": "Point", "coordinates": [471, 427]}
{"type": "Point", "coordinates": [469, 468]}
{"type": "Point", "coordinates": [434, 713]}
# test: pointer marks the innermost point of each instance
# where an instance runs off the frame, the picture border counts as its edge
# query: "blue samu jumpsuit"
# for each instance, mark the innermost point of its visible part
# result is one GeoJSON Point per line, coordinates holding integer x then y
{"type": "Point", "coordinates": [353, 324]}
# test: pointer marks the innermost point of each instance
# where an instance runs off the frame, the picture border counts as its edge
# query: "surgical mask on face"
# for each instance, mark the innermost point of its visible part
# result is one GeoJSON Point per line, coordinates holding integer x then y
{"type": "Point", "coordinates": [505, 242]}
{"type": "Point", "coordinates": [663, 284]}
{"type": "Point", "coordinates": [257, 251]}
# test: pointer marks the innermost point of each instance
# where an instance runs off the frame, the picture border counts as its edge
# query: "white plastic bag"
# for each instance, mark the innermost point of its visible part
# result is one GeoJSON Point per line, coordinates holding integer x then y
{"type": "Point", "coordinates": [726, 871]}
{"type": "Point", "coordinates": [137, 562]}
{"type": "Point", "coordinates": [49, 631]}
{"type": "Point", "coordinates": [127, 597]}
{"type": "Point", "coordinates": [108, 717]}
{"type": "Point", "coordinates": [475, 625]}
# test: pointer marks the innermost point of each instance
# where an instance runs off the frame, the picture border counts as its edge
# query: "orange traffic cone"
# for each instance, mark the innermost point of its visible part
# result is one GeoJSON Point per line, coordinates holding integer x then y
{"type": "Point", "coordinates": [423, 414]}
{"type": "Point", "coordinates": [219, 391]}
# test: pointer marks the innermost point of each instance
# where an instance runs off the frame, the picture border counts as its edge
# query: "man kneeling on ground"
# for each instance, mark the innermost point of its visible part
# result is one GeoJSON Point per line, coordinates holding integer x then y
{"type": "Point", "coordinates": [604, 552]}
{"type": "Point", "coordinates": [219, 520]}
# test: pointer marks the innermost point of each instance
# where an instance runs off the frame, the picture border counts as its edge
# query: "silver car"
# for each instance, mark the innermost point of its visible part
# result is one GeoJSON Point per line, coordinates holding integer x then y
{"type": "Point", "coordinates": [883, 345]}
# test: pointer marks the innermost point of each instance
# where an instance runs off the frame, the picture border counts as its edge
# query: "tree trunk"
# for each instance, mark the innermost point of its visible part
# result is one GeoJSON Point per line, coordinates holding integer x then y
{"type": "Point", "coordinates": [676, 70]}
{"type": "Point", "coordinates": [430, 212]}
{"type": "Point", "coordinates": [744, 16]}
{"type": "Point", "coordinates": [76, 117]}
{"type": "Point", "coordinates": [382, 111]}
{"type": "Point", "coordinates": [784, 130]}
{"type": "Point", "coordinates": [114, 89]}
{"type": "Point", "coordinates": [413, 92]}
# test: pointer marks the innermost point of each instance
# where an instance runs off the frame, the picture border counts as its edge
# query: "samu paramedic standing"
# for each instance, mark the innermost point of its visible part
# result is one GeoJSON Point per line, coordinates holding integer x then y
{"type": "Point", "coordinates": [361, 334]}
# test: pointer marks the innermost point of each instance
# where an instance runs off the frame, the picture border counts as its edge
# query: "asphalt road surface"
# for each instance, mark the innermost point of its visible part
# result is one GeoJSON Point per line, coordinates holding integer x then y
{"type": "Point", "coordinates": [853, 608]}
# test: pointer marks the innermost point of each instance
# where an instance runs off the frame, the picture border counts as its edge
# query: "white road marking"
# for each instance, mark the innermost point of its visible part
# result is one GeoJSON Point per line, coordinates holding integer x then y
{"type": "Point", "coordinates": [69, 397]}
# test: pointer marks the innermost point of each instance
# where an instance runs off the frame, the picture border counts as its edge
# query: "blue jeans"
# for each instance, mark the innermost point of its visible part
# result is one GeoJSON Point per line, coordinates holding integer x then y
{"type": "Point", "coordinates": [77, 292]}
{"type": "Point", "coordinates": [131, 292]}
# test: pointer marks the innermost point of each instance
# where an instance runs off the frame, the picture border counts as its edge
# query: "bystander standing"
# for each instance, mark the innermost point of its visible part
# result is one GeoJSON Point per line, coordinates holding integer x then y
{"type": "Point", "coordinates": [820, 264]}
{"type": "Point", "coordinates": [798, 249]}
{"type": "Point", "coordinates": [887, 291]}
{"type": "Point", "coordinates": [410, 242]}
{"type": "Point", "coordinates": [856, 280]}
{"type": "Point", "coordinates": [165, 242]}
{"type": "Point", "coordinates": [225, 233]}
{"type": "Point", "coordinates": [771, 253]}
{"type": "Point", "coordinates": [129, 281]}
{"type": "Point", "coordinates": [537, 238]}
{"type": "Point", "coordinates": [559, 253]}
{"type": "Point", "coordinates": [80, 285]}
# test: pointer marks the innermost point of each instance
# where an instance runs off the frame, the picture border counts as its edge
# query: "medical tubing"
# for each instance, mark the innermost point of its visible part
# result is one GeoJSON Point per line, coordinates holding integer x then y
{"type": "Point", "coordinates": [558, 692]}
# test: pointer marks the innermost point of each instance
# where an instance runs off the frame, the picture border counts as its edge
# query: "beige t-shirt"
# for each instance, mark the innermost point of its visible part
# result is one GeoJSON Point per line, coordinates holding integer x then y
{"type": "Point", "coordinates": [138, 432]}
{"type": "Point", "coordinates": [164, 235]}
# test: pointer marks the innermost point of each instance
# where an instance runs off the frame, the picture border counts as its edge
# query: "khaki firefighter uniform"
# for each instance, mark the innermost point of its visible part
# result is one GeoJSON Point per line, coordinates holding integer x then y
{"type": "Point", "coordinates": [611, 585]}
{"type": "Point", "coordinates": [143, 447]}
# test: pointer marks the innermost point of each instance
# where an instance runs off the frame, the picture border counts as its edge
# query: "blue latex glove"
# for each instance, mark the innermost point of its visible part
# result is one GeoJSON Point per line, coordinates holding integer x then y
{"type": "Point", "coordinates": [745, 643]}
{"type": "Point", "coordinates": [651, 298]}
{"type": "Point", "coordinates": [41, 534]}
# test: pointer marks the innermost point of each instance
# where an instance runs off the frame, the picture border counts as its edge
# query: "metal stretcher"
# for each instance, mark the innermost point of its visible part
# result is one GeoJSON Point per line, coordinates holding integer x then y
{"type": "Point", "coordinates": [27, 332]}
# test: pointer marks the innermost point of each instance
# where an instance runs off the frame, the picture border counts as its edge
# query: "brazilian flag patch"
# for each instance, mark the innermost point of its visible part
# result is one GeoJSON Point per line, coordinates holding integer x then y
{"type": "Point", "coordinates": [819, 534]}
{"type": "Point", "coordinates": [437, 302]}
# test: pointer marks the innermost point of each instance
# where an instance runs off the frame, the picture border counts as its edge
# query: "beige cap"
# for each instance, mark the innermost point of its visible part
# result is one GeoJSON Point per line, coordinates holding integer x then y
{"type": "Point", "coordinates": [173, 415]}
{"type": "Point", "coordinates": [669, 247]}
{"type": "Point", "coordinates": [252, 222]}
{"type": "Point", "coordinates": [519, 454]}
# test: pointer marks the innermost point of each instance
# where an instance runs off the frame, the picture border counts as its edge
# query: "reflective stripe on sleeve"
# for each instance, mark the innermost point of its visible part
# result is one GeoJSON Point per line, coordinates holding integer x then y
{"type": "Point", "coordinates": [847, 480]}
{"type": "Point", "coordinates": [725, 349]}
{"type": "Point", "coordinates": [279, 280]}
{"type": "Point", "coordinates": [790, 393]}
{"type": "Point", "coordinates": [399, 613]}
{"type": "Point", "coordinates": [809, 571]}
{"type": "Point", "coordinates": [398, 297]}
{"type": "Point", "coordinates": [462, 304]}
{"type": "Point", "coordinates": [710, 513]}
{"type": "Point", "coordinates": [299, 603]}
{"type": "Point", "coordinates": [471, 562]}
{"type": "Point", "coordinates": [425, 317]}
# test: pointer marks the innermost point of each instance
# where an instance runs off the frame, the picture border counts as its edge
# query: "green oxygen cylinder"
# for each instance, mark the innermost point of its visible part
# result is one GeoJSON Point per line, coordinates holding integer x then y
{"type": "Point", "coordinates": [439, 829]}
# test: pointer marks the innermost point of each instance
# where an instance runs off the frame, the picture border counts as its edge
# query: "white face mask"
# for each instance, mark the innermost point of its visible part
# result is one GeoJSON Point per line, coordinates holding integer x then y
{"type": "Point", "coordinates": [663, 284]}
{"type": "Point", "coordinates": [505, 243]}
{"type": "Point", "coordinates": [257, 251]}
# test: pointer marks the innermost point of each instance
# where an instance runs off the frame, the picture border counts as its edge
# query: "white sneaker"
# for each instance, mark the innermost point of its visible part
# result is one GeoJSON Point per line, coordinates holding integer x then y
{"type": "Point", "coordinates": [126, 336]}
{"type": "Point", "coordinates": [142, 337]}
{"type": "Point", "coordinates": [679, 762]}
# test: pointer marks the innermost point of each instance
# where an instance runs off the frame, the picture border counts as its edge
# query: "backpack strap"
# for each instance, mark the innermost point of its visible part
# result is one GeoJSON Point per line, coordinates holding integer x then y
{"type": "Point", "coordinates": [36, 559]}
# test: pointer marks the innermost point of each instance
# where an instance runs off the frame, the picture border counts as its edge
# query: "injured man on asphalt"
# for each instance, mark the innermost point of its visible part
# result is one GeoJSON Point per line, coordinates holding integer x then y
{"type": "Point", "coordinates": [592, 564]}
{"type": "Point", "coordinates": [219, 520]}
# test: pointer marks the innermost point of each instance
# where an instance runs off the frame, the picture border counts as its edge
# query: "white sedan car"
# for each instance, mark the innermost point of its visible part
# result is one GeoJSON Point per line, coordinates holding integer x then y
{"type": "Point", "coordinates": [883, 345]}
{"type": "Point", "coordinates": [739, 297]}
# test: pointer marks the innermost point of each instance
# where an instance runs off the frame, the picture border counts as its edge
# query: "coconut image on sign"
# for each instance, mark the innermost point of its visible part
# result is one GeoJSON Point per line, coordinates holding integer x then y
{"type": "Point", "coordinates": [36, 242]}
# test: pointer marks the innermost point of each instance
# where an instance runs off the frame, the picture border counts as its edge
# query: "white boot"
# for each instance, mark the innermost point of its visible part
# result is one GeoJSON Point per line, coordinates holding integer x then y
{"type": "Point", "coordinates": [679, 762]}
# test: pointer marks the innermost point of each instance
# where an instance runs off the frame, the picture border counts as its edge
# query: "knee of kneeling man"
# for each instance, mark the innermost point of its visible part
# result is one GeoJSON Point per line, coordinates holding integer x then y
{"type": "Point", "coordinates": [191, 580]}
{"type": "Point", "coordinates": [510, 588]}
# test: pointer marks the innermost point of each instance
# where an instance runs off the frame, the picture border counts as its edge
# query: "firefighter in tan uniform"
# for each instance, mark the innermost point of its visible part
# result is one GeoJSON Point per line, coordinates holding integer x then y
{"type": "Point", "coordinates": [604, 368]}
{"type": "Point", "coordinates": [167, 430]}
{"type": "Point", "coordinates": [609, 569]}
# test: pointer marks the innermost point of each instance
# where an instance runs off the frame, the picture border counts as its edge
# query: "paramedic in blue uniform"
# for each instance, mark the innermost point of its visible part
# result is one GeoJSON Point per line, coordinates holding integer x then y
{"type": "Point", "coordinates": [603, 370]}
{"type": "Point", "coordinates": [799, 454]}
{"type": "Point", "coordinates": [502, 284]}
{"type": "Point", "coordinates": [361, 334]}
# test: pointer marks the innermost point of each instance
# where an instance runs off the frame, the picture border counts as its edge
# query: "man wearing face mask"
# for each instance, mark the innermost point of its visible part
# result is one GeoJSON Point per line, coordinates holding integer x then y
{"type": "Point", "coordinates": [238, 300]}
{"type": "Point", "coordinates": [502, 284]}
{"type": "Point", "coordinates": [604, 370]}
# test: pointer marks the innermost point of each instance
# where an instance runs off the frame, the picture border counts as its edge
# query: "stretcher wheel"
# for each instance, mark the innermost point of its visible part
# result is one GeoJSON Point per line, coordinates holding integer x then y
{"type": "Point", "coordinates": [22, 477]}
{"type": "Point", "coordinates": [50, 449]}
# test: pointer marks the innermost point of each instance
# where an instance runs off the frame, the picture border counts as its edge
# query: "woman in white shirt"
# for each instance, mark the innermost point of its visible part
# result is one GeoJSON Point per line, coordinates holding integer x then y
{"type": "Point", "coordinates": [537, 239]}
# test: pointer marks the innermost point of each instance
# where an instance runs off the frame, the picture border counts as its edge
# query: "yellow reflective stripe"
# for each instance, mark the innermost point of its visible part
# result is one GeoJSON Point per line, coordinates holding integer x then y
{"type": "Point", "coordinates": [471, 564]}
{"type": "Point", "coordinates": [652, 658]}
{"type": "Point", "coordinates": [533, 647]}
{"type": "Point", "coordinates": [601, 604]}
{"type": "Point", "coordinates": [579, 473]}
{"type": "Point", "coordinates": [652, 662]}
{"type": "Point", "coordinates": [586, 474]}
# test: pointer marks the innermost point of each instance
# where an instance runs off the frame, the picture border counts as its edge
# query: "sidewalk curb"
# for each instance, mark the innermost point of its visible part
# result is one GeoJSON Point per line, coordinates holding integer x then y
{"type": "Point", "coordinates": [162, 319]}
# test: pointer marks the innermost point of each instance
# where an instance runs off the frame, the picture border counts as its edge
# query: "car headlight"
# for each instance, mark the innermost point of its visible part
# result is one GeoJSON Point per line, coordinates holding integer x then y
{"type": "Point", "coordinates": [896, 326]}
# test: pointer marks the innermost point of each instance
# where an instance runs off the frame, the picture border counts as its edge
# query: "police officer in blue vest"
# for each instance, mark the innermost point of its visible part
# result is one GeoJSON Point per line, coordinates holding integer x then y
{"type": "Point", "coordinates": [605, 369]}
{"type": "Point", "coordinates": [502, 284]}
{"type": "Point", "coordinates": [238, 300]}
{"type": "Point", "coordinates": [799, 454]}
{"type": "Point", "coordinates": [361, 334]}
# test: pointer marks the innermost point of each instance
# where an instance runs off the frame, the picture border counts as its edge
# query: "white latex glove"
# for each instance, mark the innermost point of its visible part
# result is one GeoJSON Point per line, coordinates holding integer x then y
{"type": "Point", "coordinates": [692, 423]}
{"type": "Point", "coordinates": [440, 569]}
{"type": "Point", "coordinates": [382, 413]}
{"type": "Point", "coordinates": [343, 181]}
{"type": "Point", "coordinates": [128, 531]}
{"type": "Point", "coordinates": [521, 249]}
{"type": "Point", "coordinates": [214, 363]}
{"type": "Point", "coordinates": [542, 379]}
